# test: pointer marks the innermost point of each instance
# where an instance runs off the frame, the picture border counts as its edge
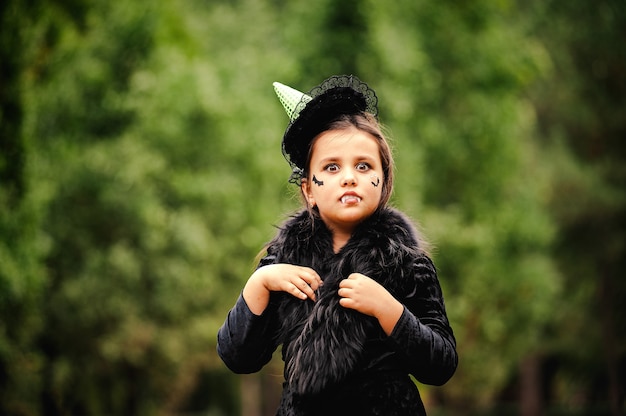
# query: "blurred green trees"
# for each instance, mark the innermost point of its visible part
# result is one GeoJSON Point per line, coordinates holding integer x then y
{"type": "Point", "coordinates": [581, 102]}
{"type": "Point", "coordinates": [141, 173]}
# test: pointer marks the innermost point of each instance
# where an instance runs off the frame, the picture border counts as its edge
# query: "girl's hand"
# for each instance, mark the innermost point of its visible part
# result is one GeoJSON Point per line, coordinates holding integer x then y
{"type": "Point", "coordinates": [301, 282]}
{"type": "Point", "coordinates": [369, 297]}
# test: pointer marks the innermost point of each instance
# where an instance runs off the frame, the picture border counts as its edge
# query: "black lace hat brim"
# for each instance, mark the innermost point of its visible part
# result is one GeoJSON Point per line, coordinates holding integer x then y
{"type": "Point", "coordinates": [333, 98]}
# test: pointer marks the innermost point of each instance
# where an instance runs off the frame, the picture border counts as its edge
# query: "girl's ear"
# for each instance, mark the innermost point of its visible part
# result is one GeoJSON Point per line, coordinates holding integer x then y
{"type": "Point", "coordinates": [305, 186]}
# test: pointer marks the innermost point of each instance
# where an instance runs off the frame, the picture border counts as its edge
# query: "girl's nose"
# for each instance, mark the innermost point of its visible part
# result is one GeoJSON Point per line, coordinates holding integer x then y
{"type": "Point", "coordinates": [348, 179]}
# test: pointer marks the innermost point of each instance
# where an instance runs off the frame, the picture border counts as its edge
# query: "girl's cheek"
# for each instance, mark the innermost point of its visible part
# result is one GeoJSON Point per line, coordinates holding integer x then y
{"type": "Point", "coordinates": [375, 180]}
{"type": "Point", "coordinates": [317, 181]}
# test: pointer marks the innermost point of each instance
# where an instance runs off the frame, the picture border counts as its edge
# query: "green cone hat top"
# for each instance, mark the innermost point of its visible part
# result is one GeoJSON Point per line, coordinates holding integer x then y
{"type": "Point", "coordinates": [290, 98]}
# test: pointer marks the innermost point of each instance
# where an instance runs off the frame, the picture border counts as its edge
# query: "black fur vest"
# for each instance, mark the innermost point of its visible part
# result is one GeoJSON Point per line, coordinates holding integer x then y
{"type": "Point", "coordinates": [322, 341]}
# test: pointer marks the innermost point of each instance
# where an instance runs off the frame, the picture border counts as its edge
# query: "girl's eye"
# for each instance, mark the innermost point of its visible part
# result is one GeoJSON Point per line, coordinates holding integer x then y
{"type": "Point", "coordinates": [332, 167]}
{"type": "Point", "coordinates": [362, 167]}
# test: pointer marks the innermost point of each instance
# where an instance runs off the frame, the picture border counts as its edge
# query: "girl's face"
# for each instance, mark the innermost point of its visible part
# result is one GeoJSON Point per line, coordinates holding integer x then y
{"type": "Point", "coordinates": [345, 178]}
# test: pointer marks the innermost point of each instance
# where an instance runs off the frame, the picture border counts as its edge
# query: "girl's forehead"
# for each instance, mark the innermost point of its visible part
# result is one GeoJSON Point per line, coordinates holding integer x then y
{"type": "Point", "coordinates": [344, 140]}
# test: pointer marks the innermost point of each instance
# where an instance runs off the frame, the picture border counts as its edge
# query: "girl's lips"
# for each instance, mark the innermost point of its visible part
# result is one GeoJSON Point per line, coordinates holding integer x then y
{"type": "Point", "coordinates": [350, 199]}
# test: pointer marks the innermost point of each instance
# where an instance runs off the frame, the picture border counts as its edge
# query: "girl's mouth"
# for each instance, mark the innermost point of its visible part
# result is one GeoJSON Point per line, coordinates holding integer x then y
{"type": "Point", "coordinates": [350, 199]}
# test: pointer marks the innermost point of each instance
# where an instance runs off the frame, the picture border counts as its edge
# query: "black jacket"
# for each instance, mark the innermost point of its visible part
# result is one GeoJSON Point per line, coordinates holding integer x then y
{"type": "Point", "coordinates": [337, 360]}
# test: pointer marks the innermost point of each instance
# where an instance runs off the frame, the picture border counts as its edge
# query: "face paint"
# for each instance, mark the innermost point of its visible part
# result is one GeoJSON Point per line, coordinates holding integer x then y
{"type": "Point", "coordinates": [317, 181]}
{"type": "Point", "coordinates": [377, 180]}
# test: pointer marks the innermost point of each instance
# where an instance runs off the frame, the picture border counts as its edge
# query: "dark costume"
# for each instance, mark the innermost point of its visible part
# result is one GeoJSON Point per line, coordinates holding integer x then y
{"type": "Point", "coordinates": [337, 360]}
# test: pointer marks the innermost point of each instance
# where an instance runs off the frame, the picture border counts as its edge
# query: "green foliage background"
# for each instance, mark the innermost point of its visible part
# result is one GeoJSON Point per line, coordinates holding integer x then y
{"type": "Point", "coordinates": [140, 175]}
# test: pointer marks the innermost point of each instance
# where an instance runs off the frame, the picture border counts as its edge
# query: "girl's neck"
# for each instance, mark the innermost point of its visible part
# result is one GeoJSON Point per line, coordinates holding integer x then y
{"type": "Point", "coordinates": [340, 240]}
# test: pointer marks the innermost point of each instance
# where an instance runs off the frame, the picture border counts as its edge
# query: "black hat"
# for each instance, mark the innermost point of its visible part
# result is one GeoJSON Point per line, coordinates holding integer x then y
{"type": "Point", "coordinates": [310, 114]}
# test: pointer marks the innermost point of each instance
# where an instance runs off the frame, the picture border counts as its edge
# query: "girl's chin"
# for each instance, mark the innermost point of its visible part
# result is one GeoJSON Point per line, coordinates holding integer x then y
{"type": "Point", "coordinates": [354, 218]}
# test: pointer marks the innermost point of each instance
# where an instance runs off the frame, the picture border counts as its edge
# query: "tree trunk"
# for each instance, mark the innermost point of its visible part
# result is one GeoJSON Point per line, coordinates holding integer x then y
{"type": "Point", "coordinates": [530, 386]}
{"type": "Point", "coordinates": [605, 299]}
{"type": "Point", "coordinates": [251, 403]}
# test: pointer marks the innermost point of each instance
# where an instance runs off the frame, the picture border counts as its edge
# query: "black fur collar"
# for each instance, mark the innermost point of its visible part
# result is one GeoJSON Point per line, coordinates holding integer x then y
{"type": "Point", "coordinates": [322, 341]}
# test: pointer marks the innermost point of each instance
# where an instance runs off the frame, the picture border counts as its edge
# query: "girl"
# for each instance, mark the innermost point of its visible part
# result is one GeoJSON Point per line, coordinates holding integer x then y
{"type": "Point", "coordinates": [345, 286]}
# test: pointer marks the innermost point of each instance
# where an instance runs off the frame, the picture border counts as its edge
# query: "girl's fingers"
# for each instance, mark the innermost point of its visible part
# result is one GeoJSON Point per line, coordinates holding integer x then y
{"type": "Point", "coordinates": [311, 277]}
{"type": "Point", "coordinates": [297, 292]}
{"type": "Point", "coordinates": [347, 283]}
{"type": "Point", "coordinates": [299, 281]}
{"type": "Point", "coordinates": [302, 289]}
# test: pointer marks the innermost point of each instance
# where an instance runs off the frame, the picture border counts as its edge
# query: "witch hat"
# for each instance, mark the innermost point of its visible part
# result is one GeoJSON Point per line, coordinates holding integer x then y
{"type": "Point", "coordinates": [290, 98]}
{"type": "Point", "coordinates": [310, 113]}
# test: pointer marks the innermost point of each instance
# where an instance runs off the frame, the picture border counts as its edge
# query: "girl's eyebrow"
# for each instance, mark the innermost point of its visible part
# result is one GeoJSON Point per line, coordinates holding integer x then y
{"type": "Point", "coordinates": [336, 158]}
{"type": "Point", "coordinates": [329, 159]}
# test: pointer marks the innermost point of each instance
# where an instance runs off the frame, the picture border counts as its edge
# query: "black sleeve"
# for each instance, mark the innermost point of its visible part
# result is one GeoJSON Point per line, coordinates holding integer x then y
{"type": "Point", "coordinates": [246, 341]}
{"type": "Point", "coordinates": [423, 334]}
